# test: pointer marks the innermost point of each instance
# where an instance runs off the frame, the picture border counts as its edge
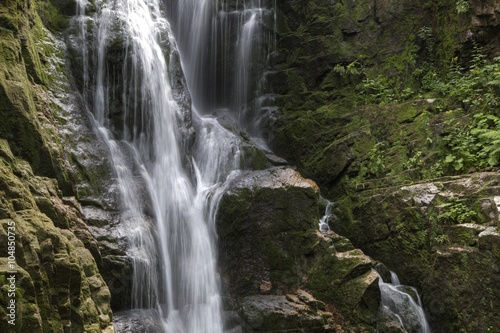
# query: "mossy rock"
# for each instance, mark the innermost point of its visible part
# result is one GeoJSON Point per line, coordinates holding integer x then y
{"type": "Point", "coordinates": [431, 230]}
{"type": "Point", "coordinates": [52, 264]}
{"type": "Point", "coordinates": [277, 233]}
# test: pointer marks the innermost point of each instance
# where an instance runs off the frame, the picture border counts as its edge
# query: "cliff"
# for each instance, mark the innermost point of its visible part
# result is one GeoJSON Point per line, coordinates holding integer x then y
{"type": "Point", "coordinates": [391, 107]}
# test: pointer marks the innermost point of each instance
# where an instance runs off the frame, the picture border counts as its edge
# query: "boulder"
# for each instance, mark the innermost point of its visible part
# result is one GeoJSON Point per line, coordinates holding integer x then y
{"type": "Point", "coordinates": [278, 271]}
{"type": "Point", "coordinates": [265, 313]}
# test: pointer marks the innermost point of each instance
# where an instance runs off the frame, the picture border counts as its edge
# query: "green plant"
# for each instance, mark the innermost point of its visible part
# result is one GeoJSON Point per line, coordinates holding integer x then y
{"type": "Point", "coordinates": [441, 239]}
{"type": "Point", "coordinates": [354, 68]}
{"type": "Point", "coordinates": [414, 161]}
{"type": "Point", "coordinates": [457, 212]}
{"type": "Point", "coordinates": [476, 145]}
{"type": "Point", "coordinates": [462, 6]}
{"type": "Point", "coordinates": [479, 87]}
{"type": "Point", "coordinates": [374, 165]}
{"type": "Point", "coordinates": [487, 131]}
{"type": "Point", "coordinates": [464, 149]}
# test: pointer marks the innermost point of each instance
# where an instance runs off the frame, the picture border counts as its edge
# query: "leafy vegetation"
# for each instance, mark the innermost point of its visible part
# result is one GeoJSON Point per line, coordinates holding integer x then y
{"type": "Point", "coordinates": [457, 212]}
{"type": "Point", "coordinates": [462, 6]}
{"type": "Point", "coordinates": [464, 107]}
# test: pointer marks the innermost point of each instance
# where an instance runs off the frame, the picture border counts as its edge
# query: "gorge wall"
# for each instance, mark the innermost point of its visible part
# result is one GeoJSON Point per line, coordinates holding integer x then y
{"type": "Point", "coordinates": [385, 104]}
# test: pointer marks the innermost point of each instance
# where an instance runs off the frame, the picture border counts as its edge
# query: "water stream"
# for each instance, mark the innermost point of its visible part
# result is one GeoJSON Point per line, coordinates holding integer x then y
{"type": "Point", "coordinates": [402, 304]}
{"type": "Point", "coordinates": [169, 179]}
{"type": "Point", "coordinates": [157, 77]}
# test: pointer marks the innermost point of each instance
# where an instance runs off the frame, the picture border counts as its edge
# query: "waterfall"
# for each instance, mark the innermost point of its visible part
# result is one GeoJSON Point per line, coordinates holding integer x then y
{"type": "Point", "coordinates": [224, 46]}
{"type": "Point", "coordinates": [170, 180]}
{"type": "Point", "coordinates": [402, 304]}
{"type": "Point", "coordinates": [323, 221]}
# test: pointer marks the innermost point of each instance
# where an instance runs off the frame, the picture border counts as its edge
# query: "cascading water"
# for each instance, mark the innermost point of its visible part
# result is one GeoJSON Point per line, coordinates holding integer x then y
{"type": "Point", "coordinates": [169, 185]}
{"type": "Point", "coordinates": [323, 222]}
{"type": "Point", "coordinates": [224, 46]}
{"type": "Point", "coordinates": [401, 304]}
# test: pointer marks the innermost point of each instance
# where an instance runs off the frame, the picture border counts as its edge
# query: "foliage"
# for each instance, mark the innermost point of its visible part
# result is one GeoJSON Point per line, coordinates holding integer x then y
{"type": "Point", "coordinates": [476, 146]}
{"type": "Point", "coordinates": [414, 161]}
{"type": "Point", "coordinates": [380, 91]}
{"type": "Point", "coordinates": [466, 108]}
{"type": "Point", "coordinates": [462, 6]}
{"type": "Point", "coordinates": [456, 213]}
{"type": "Point", "coordinates": [353, 68]}
{"type": "Point", "coordinates": [374, 165]}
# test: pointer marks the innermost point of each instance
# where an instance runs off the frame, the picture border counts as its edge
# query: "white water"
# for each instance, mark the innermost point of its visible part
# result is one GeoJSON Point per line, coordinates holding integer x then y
{"type": "Point", "coordinates": [402, 304]}
{"type": "Point", "coordinates": [169, 189]}
{"type": "Point", "coordinates": [224, 45]}
{"type": "Point", "coordinates": [323, 222]}
{"type": "Point", "coordinates": [169, 193]}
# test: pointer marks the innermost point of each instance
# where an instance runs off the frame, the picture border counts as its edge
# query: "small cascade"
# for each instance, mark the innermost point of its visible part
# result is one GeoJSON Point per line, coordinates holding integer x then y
{"type": "Point", "coordinates": [224, 47]}
{"type": "Point", "coordinates": [323, 222]}
{"type": "Point", "coordinates": [402, 304]}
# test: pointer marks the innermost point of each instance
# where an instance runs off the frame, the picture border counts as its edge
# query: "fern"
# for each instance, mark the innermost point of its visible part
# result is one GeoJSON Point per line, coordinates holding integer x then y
{"type": "Point", "coordinates": [490, 139]}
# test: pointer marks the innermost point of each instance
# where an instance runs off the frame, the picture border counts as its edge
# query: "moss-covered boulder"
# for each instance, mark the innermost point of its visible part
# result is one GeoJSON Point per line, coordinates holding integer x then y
{"type": "Point", "coordinates": [275, 211]}
{"type": "Point", "coordinates": [270, 246]}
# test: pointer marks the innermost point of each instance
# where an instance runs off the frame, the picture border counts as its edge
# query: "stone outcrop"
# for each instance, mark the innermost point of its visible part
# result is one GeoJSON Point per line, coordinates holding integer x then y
{"type": "Point", "coordinates": [357, 115]}
{"type": "Point", "coordinates": [320, 62]}
{"type": "Point", "coordinates": [58, 285]}
{"type": "Point", "coordinates": [441, 236]}
{"type": "Point", "coordinates": [278, 271]}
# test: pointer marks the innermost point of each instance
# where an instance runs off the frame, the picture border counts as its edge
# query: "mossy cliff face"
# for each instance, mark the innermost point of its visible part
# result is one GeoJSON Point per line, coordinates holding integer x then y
{"type": "Point", "coordinates": [378, 96]}
{"type": "Point", "coordinates": [278, 271]}
{"type": "Point", "coordinates": [58, 285]}
{"type": "Point", "coordinates": [326, 49]}
{"type": "Point", "coordinates": [441, 236]}
{"type": "Point", "coordinates": [26, 72]}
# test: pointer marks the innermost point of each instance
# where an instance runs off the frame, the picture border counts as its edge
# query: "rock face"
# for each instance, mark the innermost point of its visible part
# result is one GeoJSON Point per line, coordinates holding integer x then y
{"type": "Point", "coordinates": [441, 236]}
{"type": "Point", "coordinates": [345, 43]}
{"type": "Point", "coordinates": [271, 252]}
{"type": "Point", "coordinates": [358, 116]}
{"type": "Point", "coordinates": [58, 285]}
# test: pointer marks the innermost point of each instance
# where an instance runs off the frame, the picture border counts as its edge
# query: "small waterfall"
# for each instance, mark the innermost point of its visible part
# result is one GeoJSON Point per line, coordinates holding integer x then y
{"type": "Point", "coordinates": [402, 304]}
{"type": "Point", "coordinates": [323, 222]}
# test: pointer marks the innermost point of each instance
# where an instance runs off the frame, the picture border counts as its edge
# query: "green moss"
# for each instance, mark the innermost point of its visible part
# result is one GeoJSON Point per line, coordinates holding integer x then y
{"type": "Point", "coordinates": [253, 157]}
{"type": "Point", "coordinates": [52, 17]}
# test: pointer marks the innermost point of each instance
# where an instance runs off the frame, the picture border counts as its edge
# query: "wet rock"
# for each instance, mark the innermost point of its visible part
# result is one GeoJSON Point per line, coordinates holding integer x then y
{"type": "Point", "coordinates": [266, 313]}
{"type": "Point", "coordinates": [138, 321]}
{"type": "Point", "coordinates": [59, 285]}
{"type": "Point", "coordinates": [489, 239]}
{"type": "Point", "coordinates": [269, 247]}
{"type": "Point", "coordinates": [257, 204]}
{"type": "Point", "coordinates": [439, 236]}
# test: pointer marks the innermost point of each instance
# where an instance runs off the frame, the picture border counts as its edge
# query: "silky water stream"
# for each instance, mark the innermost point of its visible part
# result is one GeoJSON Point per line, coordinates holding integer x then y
{"type": "Point", "coordinates": [400, 305]}
{"type": "Point", "coordinates": [170, 154]}
{"type": "Point", "coordinates": [157, 77]}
